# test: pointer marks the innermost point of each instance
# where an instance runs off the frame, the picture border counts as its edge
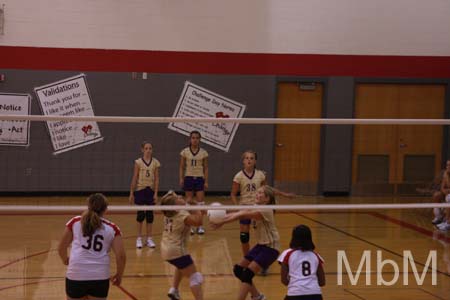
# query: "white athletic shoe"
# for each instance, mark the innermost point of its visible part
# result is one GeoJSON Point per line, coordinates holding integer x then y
{"type": "Point", "coordinates": [139, 243]}
{"type": "Point", "coordinates": [192, 230]}
{"type": "Point", "coordinates": [173, 294]}
{"type": "Point", "coordinates": [150, 243]}
{"type": "Point", "coordinates": [444, 226]}
{"type": "Point", "coordinates": [200, 230]}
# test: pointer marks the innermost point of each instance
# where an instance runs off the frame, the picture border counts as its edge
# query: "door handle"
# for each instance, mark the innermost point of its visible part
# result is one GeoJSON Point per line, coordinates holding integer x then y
{"type": "Point", "coordinates": [279, 145]}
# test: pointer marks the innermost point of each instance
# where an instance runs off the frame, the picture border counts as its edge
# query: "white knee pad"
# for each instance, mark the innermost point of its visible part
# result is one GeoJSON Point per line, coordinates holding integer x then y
{"type": "Point", "coordinates": [196, 279]}
{"type": "Point", "coordinates": [437, 212]}
{"type": "Point", "coordinates": [447, 198]}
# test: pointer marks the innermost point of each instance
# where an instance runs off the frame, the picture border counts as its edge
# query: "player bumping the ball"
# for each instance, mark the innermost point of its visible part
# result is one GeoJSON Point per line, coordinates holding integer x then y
{"type": "Point", "coordinates": [265, 252]}
{"type": "Point", "coordinates": [177, 226]}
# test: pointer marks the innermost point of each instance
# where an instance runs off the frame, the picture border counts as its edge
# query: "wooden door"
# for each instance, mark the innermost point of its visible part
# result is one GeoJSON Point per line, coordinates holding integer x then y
{"type": "Point", "coordinates": [297, 151]}
{"type": "Point", "coordinates": [402, 148]}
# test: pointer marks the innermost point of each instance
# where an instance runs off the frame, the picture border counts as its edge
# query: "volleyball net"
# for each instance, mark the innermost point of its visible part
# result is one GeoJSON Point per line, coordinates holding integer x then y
{"type": "Point", "coordinates": [77, 154]}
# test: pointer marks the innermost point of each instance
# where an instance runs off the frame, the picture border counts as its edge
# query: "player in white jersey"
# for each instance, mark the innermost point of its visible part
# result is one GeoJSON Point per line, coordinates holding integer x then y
{"type": "Point", "coordinates": [266, 251]}
{"type": "Point", "coordinates": [302, 268]}
{"type": "Point", "coordinates": [173, 245]}
{"type": "Point", "coordinates": [193, 172]}
{"type": "Point", "coordinates": [144, 191]}
{"type": "Point", "coordinates": [91, 237]}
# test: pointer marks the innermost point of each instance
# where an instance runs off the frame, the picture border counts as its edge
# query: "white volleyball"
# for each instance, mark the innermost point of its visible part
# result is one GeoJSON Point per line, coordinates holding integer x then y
{"type": "Point", "coordinates": [215, 215]}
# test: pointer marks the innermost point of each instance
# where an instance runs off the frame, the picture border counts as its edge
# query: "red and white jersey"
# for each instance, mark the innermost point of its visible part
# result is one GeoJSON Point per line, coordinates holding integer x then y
{"type": "Point", "coordinates": [302, 271]}
{"type": "Point", "coordinates": [89, 256]}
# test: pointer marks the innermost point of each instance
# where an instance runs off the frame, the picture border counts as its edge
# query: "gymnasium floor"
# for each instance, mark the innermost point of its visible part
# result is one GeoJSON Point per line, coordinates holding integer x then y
{"type": "Point", "coordinates": [30, 267]}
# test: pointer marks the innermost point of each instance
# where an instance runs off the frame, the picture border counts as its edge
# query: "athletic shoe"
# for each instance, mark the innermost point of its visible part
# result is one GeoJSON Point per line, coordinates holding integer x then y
{"type": "Point", "coordinates": [200, 230]}
{"type": "Point", "coordinates": [150, 243]}
{"type": "Point", "coordinates": [259, 297]}
{"type": "Point", "coordinates": [173, 294]}
{"type": "Point", "coordinates": [444, 226]}
{"type": "Point", "coordinates": [139, 243]}
{"type": "Point", "coordinates": [192, 230]}
{"type": "Point", "coordinates": [437, 220]}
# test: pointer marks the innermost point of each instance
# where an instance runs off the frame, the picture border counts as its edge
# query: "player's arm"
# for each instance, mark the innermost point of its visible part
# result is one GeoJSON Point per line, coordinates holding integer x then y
{"type": "Point", "coordinates": [133, 183]}
{"type": "Point", "coordinates": [205, 171]}
{"type": "Point", "coordinates": [64, 243]}
{"type": "Point", "coordinates": [320, 275]}
{"type": "Point", "coordinates": [194, 219]}
{"type": "Point", "coordinates": [242, 214]}
{"type": "Point", "coordinates": [156, 184]}
{"type": "Point", "coordinates": [121, 258]}
{"type": "Point", "coordinates": [181, 170]}
{"type": "Point", "coordinates": [234, 190]}
{"type": "Point", "coordinates": [444, 186]}
{"type": "Point", "coordinates": [284, 274]}
{"type": "Point", "coordinates": [277, 192]}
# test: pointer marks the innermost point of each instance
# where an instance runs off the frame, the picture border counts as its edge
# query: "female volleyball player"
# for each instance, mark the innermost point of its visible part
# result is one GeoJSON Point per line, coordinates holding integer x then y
{"type": "Point", "coordinates": [173, 245]}
{"type": "Point", "coordinates": [91, 237]}
{"type": "Point", "coordinates": [194, 172]}
{"type": "Point", "coordinates": [301, 267]}
{"type": "Point", "coordinates": [265, 252]}
{"type": "Point", "coordinates": [247, 182]}
{"type": "Point", "coordinates": [144, 190]}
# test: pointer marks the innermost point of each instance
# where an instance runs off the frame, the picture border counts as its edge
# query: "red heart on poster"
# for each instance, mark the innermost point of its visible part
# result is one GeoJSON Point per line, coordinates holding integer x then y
{"type": "Point", "coordinates": [85, 129]}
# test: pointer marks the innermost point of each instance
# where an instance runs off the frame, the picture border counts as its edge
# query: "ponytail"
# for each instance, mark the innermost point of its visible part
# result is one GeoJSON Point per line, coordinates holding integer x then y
{"type": "Point", "coordinates": [91, 219]}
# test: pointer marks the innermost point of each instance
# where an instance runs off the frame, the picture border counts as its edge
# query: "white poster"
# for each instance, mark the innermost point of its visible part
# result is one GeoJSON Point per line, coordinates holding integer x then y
{"type": "Point", "coordinates": [14, 132]}
{"type": "Point", "coordinates": [198, 102]}
{"type": "Point", "coordinates": [68, 97]}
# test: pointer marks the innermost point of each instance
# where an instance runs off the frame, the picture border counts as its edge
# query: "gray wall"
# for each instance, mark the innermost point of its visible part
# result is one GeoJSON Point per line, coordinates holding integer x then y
{"type": "Point", "coordinates": [107, 166]}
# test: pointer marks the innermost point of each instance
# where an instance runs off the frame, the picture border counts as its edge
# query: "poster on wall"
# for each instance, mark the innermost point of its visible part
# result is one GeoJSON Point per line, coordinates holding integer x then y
{"type": "Point", "coordinates": [68, 97]}
{"type": "Point", "coordinates": [198, 102]}
{"type": "Point", "coordinates": [14, 132]}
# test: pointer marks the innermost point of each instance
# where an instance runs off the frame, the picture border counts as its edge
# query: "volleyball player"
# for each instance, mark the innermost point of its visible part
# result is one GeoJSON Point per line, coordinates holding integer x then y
{"type": "Point", "coordinates": [173, 245]}
{"type": "Point", "coordinates": [445, 190]}
{"type": "Point", "coordinates": [144, 191]}
{"type": "Point", "coordinates": [247, 182]}
{"type": "Point", "coordinates": [193, 172]}
{"type": "Point", "coordinates": [91, 237]}
{"type": "Point", "coordinates": [265, 252]}
{"type": "Point", "coordinates": [301, 268]}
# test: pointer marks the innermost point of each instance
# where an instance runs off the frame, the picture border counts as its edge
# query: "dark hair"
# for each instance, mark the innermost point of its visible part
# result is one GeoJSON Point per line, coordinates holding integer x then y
{"type": "Point", "coordinates": [91, 219]}
{"type": "Point", "coordinates": [145, 143]}
{"type": "Point", "coordinates": [195, 132]}
{"type": "Point", "coordinates": [169, 199]}
{"type": "Point", "coordinates": [302, 238]}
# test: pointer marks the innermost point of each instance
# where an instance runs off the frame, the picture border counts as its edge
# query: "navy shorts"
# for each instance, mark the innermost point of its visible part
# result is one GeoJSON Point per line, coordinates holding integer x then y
{"type": "Point", "coordinates": [245, 221]}
{"type": "Point", "coordinates": [193, 184]}
{"type": "Point", "coordinates": [82, 288]}
{"type": "Point", "coordinates": [144, 197]}
{"type": "Point", "coordinates": [264, 256]}
{"type": "Point", "coordinates": [304, 297]}
{"type": "Point", "coordinates": [181, 262]}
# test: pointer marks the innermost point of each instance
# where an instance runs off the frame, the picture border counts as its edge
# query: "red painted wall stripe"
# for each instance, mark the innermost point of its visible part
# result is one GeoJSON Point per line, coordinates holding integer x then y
{"type": "Point", "coordinates": [223, 63]}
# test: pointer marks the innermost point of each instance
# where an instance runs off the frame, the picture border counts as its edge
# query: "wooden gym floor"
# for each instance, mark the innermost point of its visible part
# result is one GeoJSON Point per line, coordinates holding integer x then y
{"type": "Point", "coordinates": [30, 267]}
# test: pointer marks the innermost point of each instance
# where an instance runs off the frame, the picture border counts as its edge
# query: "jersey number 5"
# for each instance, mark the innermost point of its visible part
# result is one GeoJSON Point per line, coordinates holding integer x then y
{"type": "Point", "coordinates": [97, 245]}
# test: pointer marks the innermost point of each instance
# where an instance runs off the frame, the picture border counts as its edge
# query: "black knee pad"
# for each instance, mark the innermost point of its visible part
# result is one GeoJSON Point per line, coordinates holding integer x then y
{"type": "Point", "coordinates": [247, 276]}
{"type": "Point", "coordinates": [149, 216]}
{"type": "Point", "coordinates": [245, 237]}
{"type": "Point", "coordinates": [237, 270]}
{"type": "Point", "coordinates": [140, 217]}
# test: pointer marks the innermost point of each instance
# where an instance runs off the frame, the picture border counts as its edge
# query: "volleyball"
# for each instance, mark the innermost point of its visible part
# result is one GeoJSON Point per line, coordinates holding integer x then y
{"type": "Point", "coordinates": [216, 215]}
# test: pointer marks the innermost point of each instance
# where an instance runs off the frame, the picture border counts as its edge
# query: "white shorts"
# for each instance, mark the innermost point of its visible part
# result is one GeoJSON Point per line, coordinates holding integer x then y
{"type": "Point", "coordinates": [447, 198]}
